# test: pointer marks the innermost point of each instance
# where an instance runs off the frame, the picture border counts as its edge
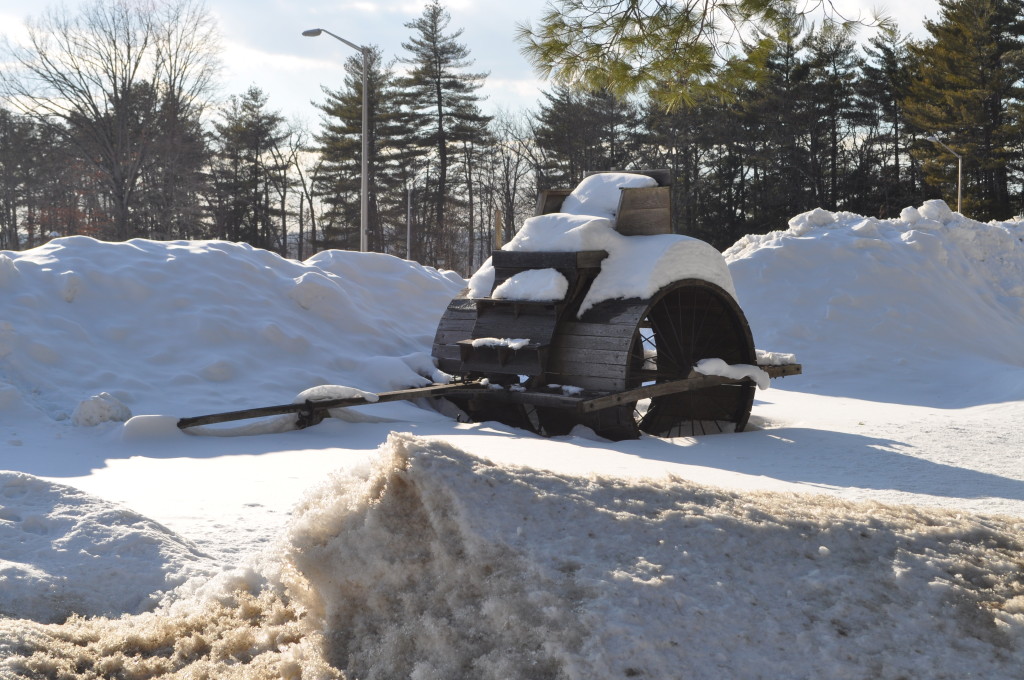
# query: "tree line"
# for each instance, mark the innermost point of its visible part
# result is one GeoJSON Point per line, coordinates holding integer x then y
{"type": "Point", "coordinates": [108, 130]}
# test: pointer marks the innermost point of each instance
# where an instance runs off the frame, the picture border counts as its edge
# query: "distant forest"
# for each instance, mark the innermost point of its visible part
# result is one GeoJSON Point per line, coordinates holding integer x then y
{"type": "Point", "coordinates": [106, 130]}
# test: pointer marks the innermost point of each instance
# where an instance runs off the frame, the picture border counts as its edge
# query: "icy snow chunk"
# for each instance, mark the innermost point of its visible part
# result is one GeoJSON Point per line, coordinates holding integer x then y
{"type": "Point", "coordinates": [804, 222]}
{"type": "Point", "coordinates": [936, 209]}
{"type": "Point", "coordinates": [765, 358]}
{"type": "Point", "coordinates": [733, 371]}
{"type": "Point", "coordinates": [533, 284]}
{"type": "Point", "coordinates": [325, 392]}
{"type": "Point", "coordinates": [910, 215]}
{"type": "Point", "coordinates": [102, 408]}
{"type": "Point", "coordinates": [511, 343]}
{"type": "Point", "coordinates": [598, 195]}
{"type": "Point", "coordinates": [70, 282]}
{"type": "Point", "coordinates": [150, 427]}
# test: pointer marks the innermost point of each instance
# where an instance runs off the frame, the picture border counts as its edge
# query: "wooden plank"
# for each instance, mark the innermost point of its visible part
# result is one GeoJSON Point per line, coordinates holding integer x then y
{"type": "Point", "coordinates": [550, 200]}
{"type": "Point", "coordinates": [582, 329]}
{"type": "Point", "coordinates": [571, 369]}
{"type": "Point", "coordinates": [520, 259]}
{"type": "Point", "coordinates": [644, 222]}
{"type": "Point", "coordinates": [583, 343]}
{"type": "Point", "coordinates": [644, 198]}
{"type": "Point", "coordinates": [579, 355]}
{"type": "Point", "coordinates": [325, 404]}
{"type": "Point", "coordinates": [781, 371]}
{"type": "Point", "coordinates": [699, 382]}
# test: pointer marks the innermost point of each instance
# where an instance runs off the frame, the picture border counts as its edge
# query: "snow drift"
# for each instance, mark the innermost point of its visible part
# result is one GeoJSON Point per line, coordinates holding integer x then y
{"type": "Point", "coordinates": [440, 564]}
{"type": "Point", "coordinates": [891, 310]}
{"type": "Point", "coordinates": [207, 323]}
{"type": "Point", "coordinates": [65, 552]}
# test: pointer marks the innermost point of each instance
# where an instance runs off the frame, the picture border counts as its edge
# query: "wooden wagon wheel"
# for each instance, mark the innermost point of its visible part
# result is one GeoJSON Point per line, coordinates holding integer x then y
{"type": "Point", "coordinates": [623, 344]}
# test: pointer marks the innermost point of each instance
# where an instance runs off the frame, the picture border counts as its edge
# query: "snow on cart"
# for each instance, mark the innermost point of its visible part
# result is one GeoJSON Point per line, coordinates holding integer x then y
{"type": "Point", "coordinates": [595, 314]}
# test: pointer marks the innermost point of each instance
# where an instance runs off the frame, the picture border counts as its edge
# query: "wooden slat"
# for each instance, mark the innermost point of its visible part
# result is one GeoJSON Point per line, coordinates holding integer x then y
{"type": "Point", "coordinates": [583, 343]}
{"type": "Point", "coordinates": [580, 329]}
{"type": "Point", "coordinates": [573, 369]}
{"type": "Point", "coordinates": [325, 404]}
{"type": "Point", "coordinates": [783, 370]}
{"type": "Point", "coordinates": [550, 200]}
{"type": "Point", "coordinates": [699, 382]}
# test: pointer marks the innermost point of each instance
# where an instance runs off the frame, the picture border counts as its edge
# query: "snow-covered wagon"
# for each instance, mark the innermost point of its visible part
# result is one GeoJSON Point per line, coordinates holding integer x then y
{"type": "Point", "coordinates": [595, 314]}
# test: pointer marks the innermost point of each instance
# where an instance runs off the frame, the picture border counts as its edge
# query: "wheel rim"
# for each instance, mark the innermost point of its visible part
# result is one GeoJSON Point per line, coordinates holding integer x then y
{"type": "Point", "coordinates": [685, 323]}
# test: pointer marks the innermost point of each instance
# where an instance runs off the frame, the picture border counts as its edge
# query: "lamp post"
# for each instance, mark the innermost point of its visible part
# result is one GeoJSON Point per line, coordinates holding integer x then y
{"type": "Point", "coordinates": [959, 169]}
{"type": "Point", "coordinates": [364, 190]}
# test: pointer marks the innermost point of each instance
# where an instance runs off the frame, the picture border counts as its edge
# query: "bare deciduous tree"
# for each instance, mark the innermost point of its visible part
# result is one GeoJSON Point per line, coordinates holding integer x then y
{"type": "Point", "coordinates": [115, 79]}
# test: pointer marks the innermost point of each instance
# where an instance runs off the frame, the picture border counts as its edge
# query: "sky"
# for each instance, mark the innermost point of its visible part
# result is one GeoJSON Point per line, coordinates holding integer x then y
{"type": "Point", "coordinates": [263, 42]}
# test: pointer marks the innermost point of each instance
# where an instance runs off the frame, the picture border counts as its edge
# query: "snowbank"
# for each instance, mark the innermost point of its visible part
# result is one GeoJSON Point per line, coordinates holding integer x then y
{"type": "Point", "coordinates": [112, 329]}
{"type": "Point", "coordinates": [440, 564]}
{"type": "Point", "coordinates": [65, 552]}
{"type": "Point", "coordinates": [891, 310]}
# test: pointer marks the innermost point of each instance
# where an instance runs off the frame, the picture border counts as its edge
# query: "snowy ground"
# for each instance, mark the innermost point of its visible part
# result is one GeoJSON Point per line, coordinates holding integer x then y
{"type": "Point", "coordinates": [476, 550]}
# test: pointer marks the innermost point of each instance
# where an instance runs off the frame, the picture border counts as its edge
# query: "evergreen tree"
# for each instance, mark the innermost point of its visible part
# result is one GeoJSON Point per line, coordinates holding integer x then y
{"type": "Point", "coordinates": [884, 176]}
{"type": "Point", "coordinates": [244, 171]}
{"type": "Point", "coordinates": [832, 65]}
{"type": "Point", "coordinates": [443, 99]}
{"type": "Point", "coordinates": [968, 80]}
{"type": "Point", "coordinates": [340, 146]}
{"type": "Point", "coordinates": [581, 132]}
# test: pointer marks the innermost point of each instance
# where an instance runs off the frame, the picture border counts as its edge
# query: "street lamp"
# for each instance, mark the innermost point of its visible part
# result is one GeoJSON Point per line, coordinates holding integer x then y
{"type": "Point", "coordinates": [364, 191]}
{"type": "Point", "coordinates": [959, 169]}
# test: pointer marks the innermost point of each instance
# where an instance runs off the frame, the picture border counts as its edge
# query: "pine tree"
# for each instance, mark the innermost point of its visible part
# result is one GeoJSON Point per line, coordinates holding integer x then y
{"type": "Point", "coordinates": [583, 132]}
{"type": "Point", "coordinates": [884, 177]}
{"type": "Point", "coordinates": [443, 99]}
{"type": "Point", "coordinates": [968, 79]}
{"type": "Point", "coordinates": [340, 146]}
{"type": "Point", "coordinates": [244, 170]}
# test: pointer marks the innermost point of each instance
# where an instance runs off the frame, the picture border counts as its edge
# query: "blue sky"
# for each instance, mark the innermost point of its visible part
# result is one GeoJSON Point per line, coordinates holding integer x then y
{"type": "Point", "coordinates": [263, 44]}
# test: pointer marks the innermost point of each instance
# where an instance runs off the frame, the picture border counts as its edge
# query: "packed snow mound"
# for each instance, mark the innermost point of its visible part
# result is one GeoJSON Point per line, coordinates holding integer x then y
{"type": "Point", "coordinates": [599, 194]}
{"type": "Point", "coordinates": [66, 552]}
{"type": "Point", "coordinates": [213, 324]}
{"type": "Point", "coordinates": [441, 564]}
{"type": "Point", "coordinates": [926, 309]}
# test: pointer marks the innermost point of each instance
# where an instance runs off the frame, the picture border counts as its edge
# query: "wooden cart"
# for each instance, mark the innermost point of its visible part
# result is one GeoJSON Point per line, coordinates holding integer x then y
{"type": "Point", "coordinates": [621, 368]}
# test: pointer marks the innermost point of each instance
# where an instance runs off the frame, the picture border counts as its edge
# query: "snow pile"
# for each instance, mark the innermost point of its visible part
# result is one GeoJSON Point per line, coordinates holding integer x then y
{"type": "Point", "coordinates": [599, 194]}
{"type": "Point", "coordinates": [890, 309]}
{"type": "Point", "coordinates": [101, 408]}
{"type": "Point", "coordinates": [533, 284]}
{"type": "Point", "coordinates": [149, 326]}
{"type": "Point", "coordinates": [441, 564]}
{"type": "Point", "coordinates": [719, 368]}
{"type": "Point", "coordinates": [65, 552]}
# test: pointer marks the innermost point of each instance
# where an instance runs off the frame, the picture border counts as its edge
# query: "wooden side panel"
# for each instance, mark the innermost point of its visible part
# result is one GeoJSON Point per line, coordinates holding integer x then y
{"type": "Point", "coordinates": [456, 324]}
{"type": "Point", "coordinates": [550, 200]}
{"type": "Point", "coordinates": [644, 211]}
{"type": "Point", "coordinates": [595, 353]}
